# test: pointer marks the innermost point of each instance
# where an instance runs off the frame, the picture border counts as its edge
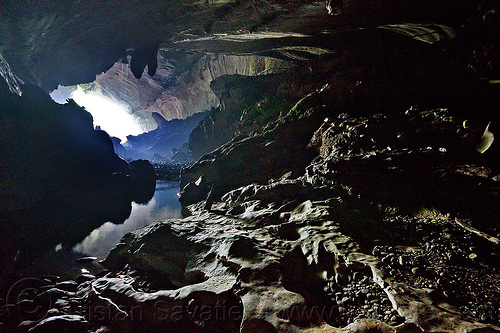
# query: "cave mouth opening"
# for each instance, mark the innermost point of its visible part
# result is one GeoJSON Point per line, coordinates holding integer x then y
{"type": "Point", "coordinates": [109, 114]}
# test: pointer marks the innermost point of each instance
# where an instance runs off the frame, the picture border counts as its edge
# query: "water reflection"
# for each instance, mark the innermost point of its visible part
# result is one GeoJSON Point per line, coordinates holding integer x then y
{"type": "Point", "coordinates": [163, 205]}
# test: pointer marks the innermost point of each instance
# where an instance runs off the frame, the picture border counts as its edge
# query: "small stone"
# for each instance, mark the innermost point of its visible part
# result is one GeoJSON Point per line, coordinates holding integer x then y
{"type": "Point", "coordinates": [84, 278]}
{"type": "Point", "coordinates": [472, 256]}
{"type": "Point", "coordinates": [387, 259]}
{"type": "Point", "coordinates": [53, 312]}
{"type": "Point", "coordinates": [60, 303]}
{"type": "Point", "coordinates": [67, 285]}
{"type": "Point", "coordinates": [344, 300]}
{"type": "Point", "coordinates": [342, 310]}
{"type": "Point", "coordinates": [86, 259]}
{"type": "Point", "coordinates": [26, 325]}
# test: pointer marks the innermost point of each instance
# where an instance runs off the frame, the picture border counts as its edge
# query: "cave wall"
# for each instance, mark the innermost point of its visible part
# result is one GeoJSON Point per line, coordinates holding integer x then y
{"type": "Point", "coordinates": [59, 178]}
{"type": "Point", "coordinates": [181, 84]}
{"type": "Point", "coordinates": [68, 42]}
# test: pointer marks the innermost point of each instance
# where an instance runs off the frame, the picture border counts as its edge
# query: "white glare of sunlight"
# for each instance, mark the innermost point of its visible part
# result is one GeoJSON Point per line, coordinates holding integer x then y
{"type": "Point", "coordinates": [109, 115]}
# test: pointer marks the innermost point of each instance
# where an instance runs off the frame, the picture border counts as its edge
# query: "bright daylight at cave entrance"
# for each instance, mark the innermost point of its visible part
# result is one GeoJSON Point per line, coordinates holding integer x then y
{"type": "Point", "coordinates": [110, 115]}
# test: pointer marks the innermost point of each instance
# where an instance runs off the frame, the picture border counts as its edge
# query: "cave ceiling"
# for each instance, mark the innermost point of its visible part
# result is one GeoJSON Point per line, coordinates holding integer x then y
{"type": "Point", "coordinates": [51, 43]}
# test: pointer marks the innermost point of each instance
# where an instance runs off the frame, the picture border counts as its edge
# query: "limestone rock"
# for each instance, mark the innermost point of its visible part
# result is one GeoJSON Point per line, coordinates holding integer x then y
{"type": "Point", "coordinates": [298, 250]}
{"type": "Point", "coordinates": [281, 282]}
{"type": "Point", "coordinates": [329, 207]}
{"type": "Point", "coordinates": [142, 177]}
{"type": "Point", "coordinates": [267, 155]}
{"type": "Point", "coordinates": [149, 250]}
{"type": "Point", "coordinates": [161, 144]}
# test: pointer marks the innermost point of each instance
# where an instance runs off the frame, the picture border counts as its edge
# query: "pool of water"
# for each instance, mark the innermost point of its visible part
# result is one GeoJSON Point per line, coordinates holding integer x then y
{"type": "Point", "coordinates": [164, 205]}
{"type": "Point", "coordinates": [60, 261]}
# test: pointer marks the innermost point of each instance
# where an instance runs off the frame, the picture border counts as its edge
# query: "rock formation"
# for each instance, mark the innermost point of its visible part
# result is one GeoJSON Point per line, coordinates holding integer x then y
{"type": "Point", "coordinates": [181, 85]}
{"type": "Point", "coordinates": [161, 144]}
{"type": "Point", "coordinates": [355, 191]}
{"type": "Point", "coordinates": [329, 250]}
{"type": "Point", "coordinates": [60, 178]}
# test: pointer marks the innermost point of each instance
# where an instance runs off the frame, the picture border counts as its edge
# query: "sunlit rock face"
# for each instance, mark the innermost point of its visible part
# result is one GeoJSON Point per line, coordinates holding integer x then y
{"type": "Point", "coordinates": [181, 85]}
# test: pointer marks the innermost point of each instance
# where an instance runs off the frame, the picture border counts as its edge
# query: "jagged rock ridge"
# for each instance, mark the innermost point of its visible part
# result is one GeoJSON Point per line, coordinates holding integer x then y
{"type": "Point", "coordinates": [181, 85]}
{"type": "Point", "coordinates": [163, 144]}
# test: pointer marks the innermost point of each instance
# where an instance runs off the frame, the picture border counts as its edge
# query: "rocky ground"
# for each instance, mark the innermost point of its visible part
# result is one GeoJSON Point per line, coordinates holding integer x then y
{"type": "Point", "coordinates": [323, 251]}
{"type": "Point", "coordinates": [357, 192]}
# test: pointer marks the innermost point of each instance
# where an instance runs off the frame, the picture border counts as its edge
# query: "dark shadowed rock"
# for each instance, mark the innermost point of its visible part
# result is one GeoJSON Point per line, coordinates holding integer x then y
{"type": "Point", "coordinates": [63, 324]}
{"type": "Point", "coordinates": [60, 178]}
{"type": "Point", "coordinates": [243, 247]}
{"type": "Point", "coordinates": [58, 55]}
{"type": "Point", "coordinates": [143, 180]}
{"type": "Point", "coordinates": [268, 155]}
{"type": "Point", "coordinates": [195, 191]}
{"type": "Point", "coordinates": [142, 57]}
{"type": "Point", "coordinates": [158, 251]}
{"type": "Point", "coordinates": [69, 285]}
